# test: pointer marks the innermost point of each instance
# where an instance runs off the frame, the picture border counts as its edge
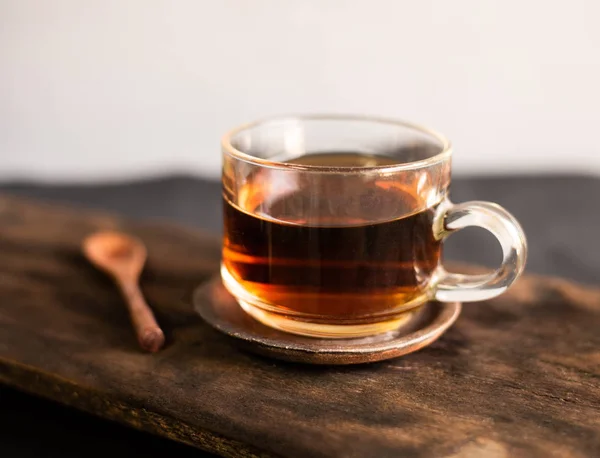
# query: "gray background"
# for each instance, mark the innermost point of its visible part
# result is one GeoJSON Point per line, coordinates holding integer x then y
{"type": "Point", "coordinates": [111, 88]}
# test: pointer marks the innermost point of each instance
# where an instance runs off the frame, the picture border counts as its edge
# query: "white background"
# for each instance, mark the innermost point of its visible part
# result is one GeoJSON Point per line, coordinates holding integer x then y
{"type": "Point", "coordinates": [106, 89]}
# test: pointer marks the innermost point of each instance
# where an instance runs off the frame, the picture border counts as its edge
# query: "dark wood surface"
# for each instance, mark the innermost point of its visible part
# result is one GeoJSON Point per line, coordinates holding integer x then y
{"type": "Point", "coordinates": [518, 375]}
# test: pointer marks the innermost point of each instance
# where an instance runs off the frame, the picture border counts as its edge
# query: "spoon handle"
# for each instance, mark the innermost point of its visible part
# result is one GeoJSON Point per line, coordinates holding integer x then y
{"type": "Point", "coordinates": [150, 337]}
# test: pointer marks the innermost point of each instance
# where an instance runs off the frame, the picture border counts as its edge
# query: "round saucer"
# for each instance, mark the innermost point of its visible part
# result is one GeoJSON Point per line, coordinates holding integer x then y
{"type": "Point", "coordinates": [220, 309]}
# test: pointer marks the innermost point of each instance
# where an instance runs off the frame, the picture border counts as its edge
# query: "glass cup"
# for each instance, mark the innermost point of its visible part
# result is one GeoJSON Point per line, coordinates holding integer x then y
{"type": "Point", "coordinates": [334, 224]}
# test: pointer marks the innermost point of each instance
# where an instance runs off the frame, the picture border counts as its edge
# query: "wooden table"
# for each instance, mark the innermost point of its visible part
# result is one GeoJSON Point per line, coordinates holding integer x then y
{"type": "Point", "coordinates": [516, 376]}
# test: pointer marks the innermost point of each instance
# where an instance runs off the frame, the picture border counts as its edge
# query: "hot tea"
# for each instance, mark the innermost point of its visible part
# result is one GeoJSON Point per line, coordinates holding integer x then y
{"type": "Point", "coordinates": [338, 251]}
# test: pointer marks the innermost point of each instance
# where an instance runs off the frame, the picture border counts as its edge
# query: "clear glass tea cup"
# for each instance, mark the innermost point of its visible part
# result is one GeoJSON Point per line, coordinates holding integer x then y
{"type": "Point", "coordinates": [334, 225]}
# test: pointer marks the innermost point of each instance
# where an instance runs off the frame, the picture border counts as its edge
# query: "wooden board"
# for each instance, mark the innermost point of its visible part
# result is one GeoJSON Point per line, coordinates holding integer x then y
{"type": "Point", "coordinates": [515, 376]}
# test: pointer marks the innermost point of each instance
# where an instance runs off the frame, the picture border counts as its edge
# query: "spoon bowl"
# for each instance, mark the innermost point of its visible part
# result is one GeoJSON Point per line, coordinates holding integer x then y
{"type": "Point", "coordinates": [116, 253]}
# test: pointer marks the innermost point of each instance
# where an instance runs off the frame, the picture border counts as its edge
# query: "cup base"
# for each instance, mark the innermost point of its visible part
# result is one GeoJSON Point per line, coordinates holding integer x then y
{"type": "Point", "coordinates": [313, 326]}
{"type": "Point", "coordinates": [323, 331]}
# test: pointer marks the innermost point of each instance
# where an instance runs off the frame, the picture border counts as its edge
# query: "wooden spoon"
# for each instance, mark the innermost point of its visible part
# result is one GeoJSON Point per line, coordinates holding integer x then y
{"type": "Point", "coordinates": [123, 258]}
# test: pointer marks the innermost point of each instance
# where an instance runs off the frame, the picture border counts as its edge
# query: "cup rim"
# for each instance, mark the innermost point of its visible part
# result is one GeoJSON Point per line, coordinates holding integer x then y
{"type": "Point", "coordinates": [227, 146]}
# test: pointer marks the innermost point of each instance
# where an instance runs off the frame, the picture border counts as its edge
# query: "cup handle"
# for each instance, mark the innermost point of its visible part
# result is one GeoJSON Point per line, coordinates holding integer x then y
{"type": "Point", "coordinates": [449, 218]}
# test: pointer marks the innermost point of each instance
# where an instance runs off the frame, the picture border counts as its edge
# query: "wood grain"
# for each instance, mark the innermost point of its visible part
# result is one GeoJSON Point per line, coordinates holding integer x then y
{"type": "Point", "coordinates": [515, 376]}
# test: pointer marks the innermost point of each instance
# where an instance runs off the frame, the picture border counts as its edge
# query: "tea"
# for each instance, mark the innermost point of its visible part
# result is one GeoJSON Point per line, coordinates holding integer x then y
{"type": "Point", "coordinates": [330, 254]}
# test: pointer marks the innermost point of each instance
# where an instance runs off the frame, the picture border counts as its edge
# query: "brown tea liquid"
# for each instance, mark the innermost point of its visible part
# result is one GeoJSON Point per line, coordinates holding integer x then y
{"type": "Point", "coordinates": [336, 265]}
